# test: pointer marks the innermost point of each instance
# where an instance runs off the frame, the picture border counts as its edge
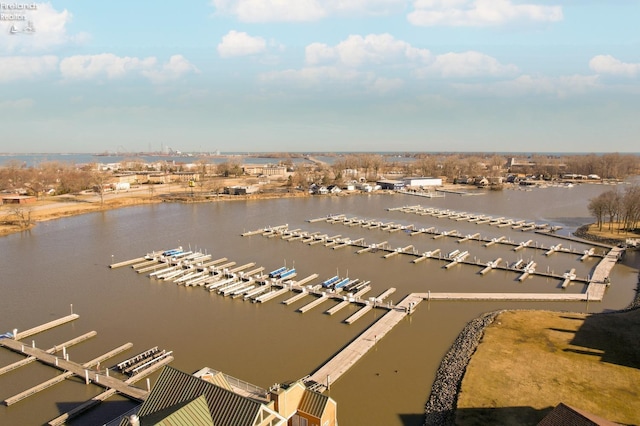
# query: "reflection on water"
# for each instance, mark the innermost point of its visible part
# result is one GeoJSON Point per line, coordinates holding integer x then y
{"type": "Point", "coordinates": [65, 261]}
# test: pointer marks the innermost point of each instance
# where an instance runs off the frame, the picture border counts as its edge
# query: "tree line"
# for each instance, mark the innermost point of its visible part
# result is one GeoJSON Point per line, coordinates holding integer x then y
{"type": "Point", "coordinates": [68, 178]}
{"type": "Point", "coordinates": [614, 206]}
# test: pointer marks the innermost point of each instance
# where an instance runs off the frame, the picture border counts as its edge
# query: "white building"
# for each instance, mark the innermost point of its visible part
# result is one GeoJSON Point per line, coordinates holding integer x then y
{"type": "Point", "coordinates": [417, 182]}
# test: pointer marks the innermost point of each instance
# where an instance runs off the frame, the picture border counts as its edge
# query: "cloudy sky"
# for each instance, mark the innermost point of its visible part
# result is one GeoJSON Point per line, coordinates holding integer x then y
{"type": "Point", "coordinates": [320, 75]}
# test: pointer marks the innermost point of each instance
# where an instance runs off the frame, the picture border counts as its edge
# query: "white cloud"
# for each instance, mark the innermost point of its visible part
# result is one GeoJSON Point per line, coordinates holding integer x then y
{"type": "Point", "coordinates": [26, 67]}
{"type": "Point", "coordinates": [271, 10]}
{"type": "Point", "coordinates": [110, 66]}
{"type": "Point", "coordinates": [480, 12]}
{"type": "Point", "coordinates": [525, 85]}
{"type": "Point", "coordinates": [375, 48]}
{"type": "Point", "coordinates": [357, 50]}
{"type": "Point", "coordinates": [607, 64]}
{"type": "Point", "coordinates": [85, 67]}
{"type": "Point", "coordinates": [379, 63]}
{"type": "Point", "coordinates": [236, 43]}
{"type": "Point", "coordinates": [302, 10]}
{"type": "Point", "coordinates": [49, 30]}
{"type": "Point", "coordinates": [317, 53]}
{"type": "Point", "coordinates": [177, 67]}
{"type": "Point", "coordinates": [335, 64]}
{"type": "Point", "coordinates": [467, 64]}
{"type": "Point", "coordinates": [383, 49]}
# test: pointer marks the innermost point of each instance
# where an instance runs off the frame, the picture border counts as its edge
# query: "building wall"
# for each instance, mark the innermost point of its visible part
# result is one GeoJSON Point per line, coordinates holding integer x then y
{"type": "Point", "coordinates": [287, 400]}
{"type": "Point", "coordinates": [311, 421]}
{"type": "Point", "coordinates": [242, 190]}
{"type": "Point", "coordinates": [423, 182]}
{"type": "Point", "coordinates": [18, 200]}
{"type": "Point", "coordinates": [159, 178]}
{"type": "Point", "coordinates": [330, 414]}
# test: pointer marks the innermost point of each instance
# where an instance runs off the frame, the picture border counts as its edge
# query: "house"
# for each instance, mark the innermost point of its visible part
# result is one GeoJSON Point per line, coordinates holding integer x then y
{"type": "Point", "coordinates": [318, 189]}
{"type": "Point", "coordinates": [334, 189]}
{"type": "Point", "coordinates": [209, 397]}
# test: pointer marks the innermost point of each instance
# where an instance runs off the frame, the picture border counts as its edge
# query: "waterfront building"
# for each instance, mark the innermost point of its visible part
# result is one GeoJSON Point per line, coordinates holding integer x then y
{"type": "Point", "coordinates": [422, 181]}
{"type": "Point", "coordinates": [241, 190]}
{"type": "Point", "coordinates": [393, 185]}
{"type": "Point", "coordinates": [210, 397]}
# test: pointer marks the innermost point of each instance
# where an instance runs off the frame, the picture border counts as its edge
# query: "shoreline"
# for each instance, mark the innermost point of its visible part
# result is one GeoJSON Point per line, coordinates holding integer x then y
{"type": "Point", "coordinates": [64, 206]}
{"type": "Point", "coordinates": [45, 210]}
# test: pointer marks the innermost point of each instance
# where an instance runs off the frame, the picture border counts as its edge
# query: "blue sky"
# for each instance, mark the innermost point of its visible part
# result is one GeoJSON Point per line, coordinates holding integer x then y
{"type": "Point", "coordinates": [320, 75]}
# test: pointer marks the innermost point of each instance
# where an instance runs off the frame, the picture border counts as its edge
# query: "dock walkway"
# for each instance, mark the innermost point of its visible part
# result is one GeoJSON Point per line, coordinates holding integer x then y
{"type": "Point", "coordinates": [333, 369]}
{"type": "Point", "coordinates": [600, 278]}
{"type": "Point", "coordinates": [80, 370]}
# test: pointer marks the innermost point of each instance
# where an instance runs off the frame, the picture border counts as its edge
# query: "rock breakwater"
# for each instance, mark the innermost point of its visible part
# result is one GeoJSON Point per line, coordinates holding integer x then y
{"type": "Point", "coordinates": [441, 406]}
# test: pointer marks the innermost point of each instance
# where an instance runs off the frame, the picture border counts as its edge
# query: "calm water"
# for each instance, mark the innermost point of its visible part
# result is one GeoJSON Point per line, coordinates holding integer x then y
{"type": "Point", "coordinates": [65, 262]}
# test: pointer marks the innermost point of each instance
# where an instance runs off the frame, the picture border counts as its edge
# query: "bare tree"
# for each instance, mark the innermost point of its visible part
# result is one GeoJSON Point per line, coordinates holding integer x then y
{"type": "Point", "coordinates": [19, 215]}
{"type": "Point", "coordinates": [631, 208]}
{"type": "Point", "coordinates": [99, 180]}
{"type": "Point", "coordinates": [596, 208]}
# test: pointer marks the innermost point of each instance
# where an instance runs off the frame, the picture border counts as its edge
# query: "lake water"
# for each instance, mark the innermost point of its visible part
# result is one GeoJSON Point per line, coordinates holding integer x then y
{"type": "Point", "coordinates": [65, 261]}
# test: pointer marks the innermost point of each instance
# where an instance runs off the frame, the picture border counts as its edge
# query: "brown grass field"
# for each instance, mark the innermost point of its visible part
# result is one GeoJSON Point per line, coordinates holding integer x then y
{"type": "Point", "coordinates": [529, 361]}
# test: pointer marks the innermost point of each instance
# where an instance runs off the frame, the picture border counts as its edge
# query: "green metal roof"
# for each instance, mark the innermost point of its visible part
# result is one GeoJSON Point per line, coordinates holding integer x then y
{"type": "Point", "coordinates": [192, 413]}
{"type": "Point", "coordinates": [176, 387]}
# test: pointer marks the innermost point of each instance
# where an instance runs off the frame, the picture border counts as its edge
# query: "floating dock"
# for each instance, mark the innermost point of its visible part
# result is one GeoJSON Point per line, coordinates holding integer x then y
{"type": "Point", "coordinates": [323, 298]}
{"type": "Point", "coordinates": [45, 327]}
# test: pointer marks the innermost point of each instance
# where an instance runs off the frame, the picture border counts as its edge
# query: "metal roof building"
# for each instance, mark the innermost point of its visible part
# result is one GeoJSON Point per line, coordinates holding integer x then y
{"type": "Point", "coordinates": [182, 395]}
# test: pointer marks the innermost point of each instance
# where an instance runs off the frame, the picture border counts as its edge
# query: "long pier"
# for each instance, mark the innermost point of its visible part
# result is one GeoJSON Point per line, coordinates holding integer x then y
{"type": "Point", "coordinates": [333, 369]}
{"type": "Point", "coordinates": [600, 278]}
{"type": "Point", "coordinates": [513, 297]}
